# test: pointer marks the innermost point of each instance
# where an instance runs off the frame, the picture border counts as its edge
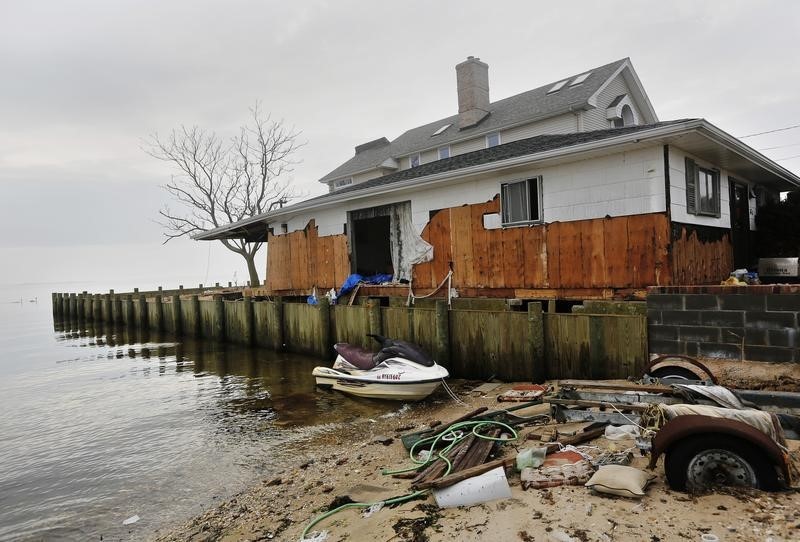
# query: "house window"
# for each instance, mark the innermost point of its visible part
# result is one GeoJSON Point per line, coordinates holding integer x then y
{"type": "Point", "coordinates": [521, 201]}
{"type": "Point", "coordinates": [702, 190]}
{"type": "Point", "coordinates": [493, 140]}
{"type": "Point", "coordinates": [342, 182]}
{"type": "Point", "coordinates": [413, 160]}
{"type": "Point", "coordinates": [444, 152]}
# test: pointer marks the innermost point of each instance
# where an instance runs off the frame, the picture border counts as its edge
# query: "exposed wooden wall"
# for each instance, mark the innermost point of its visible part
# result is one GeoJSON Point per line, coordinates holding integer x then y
{"type": "Point", "coordinates": [301, 260]}
{"type": "Point", "coordinates": [619, 252]}
{"type": "Point", "coordinates": [700, 254]}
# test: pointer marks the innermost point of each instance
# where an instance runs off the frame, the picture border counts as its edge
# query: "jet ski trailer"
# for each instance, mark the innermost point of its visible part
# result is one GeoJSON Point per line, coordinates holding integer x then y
{"type": "Point", "coordinates": [400, 371]}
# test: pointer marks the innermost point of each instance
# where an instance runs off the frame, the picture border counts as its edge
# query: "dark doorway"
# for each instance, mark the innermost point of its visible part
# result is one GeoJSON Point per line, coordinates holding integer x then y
{"type": "Point", "coordinates": [740, 224]}
{"type": "Point", "coordinates": [371, 246]}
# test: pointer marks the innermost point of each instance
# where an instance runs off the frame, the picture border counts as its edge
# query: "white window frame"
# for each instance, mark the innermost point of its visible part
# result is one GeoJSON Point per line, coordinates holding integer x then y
{"type": "Point", "coordinates": [446, 148]}
{"type": "Point", "coordinates": [537, 205]}
{"type": "Point", "coordinates": [499, 140]}
{"type": "Point", "coordinates": [340, 183]}
{"type": "Point", "coordinates": [418, 156]}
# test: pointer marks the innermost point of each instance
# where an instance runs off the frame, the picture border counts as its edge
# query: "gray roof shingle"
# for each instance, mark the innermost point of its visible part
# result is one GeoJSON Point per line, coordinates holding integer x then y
{"type": "Point", "coordinates": [527, 106]}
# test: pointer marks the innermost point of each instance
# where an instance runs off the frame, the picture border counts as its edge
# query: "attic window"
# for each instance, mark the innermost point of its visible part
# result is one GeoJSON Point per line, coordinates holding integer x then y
{"type": "Point", "coordinates": [580, 79]}
{"type": "Point", "coordinates": [493, 140]}
{"type": "Point", "coordinates": [413, 160]}
{"type": "Point", "coordinates": [558, 86]}
{"type": "Point", "coordinates": [442, 129]}
{"type": "Point", "coordinates": [444, 152]}
{"type": "Point", "coordinates": [339, 183]}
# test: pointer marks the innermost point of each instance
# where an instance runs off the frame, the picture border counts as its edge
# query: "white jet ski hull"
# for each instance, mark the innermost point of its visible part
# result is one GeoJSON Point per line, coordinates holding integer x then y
{"type": "Point", "coordinates": [394, 379]}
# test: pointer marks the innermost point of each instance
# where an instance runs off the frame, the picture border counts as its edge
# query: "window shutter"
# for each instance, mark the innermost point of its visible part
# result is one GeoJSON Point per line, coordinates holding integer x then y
{"type": "Point", "coordinates": [691, 186]}
{"type": "Point", "coordinates": [717, 209]}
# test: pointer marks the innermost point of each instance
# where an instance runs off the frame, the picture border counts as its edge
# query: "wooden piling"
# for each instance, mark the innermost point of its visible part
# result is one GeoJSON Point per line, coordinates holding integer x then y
{"type": "Point", "coordinates": [249, 321]}
{"type": "Point", "coordinates": [373, 307]}
{"type": "Point", "coordinates": [276, 331]}
{"type": "Point", "coordinates": [538, 367]}
{"type": "Point", "coordinates": [442, 333]}
{"type": "Point", "coordinates": [157, 322]}
{"type": "Point", "coordinates": [218, 322]}
{"type": "Point", "coordinates": [142, 319]}
{"type": "Point", "coordinates": [325, 349]}
{"type": "Point", "coordinates": [192, 325]}
{"type": "Point", "coordinates": [177, 316]}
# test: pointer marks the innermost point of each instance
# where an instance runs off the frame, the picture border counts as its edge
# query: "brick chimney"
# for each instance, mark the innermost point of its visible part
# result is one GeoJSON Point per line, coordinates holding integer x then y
{"type": "Point", "coordinates": [472, 80]}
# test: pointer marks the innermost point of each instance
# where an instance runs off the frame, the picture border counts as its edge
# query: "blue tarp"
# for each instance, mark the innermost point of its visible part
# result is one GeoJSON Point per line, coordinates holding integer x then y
{"type": "Point", "coordinates": [351, 281]}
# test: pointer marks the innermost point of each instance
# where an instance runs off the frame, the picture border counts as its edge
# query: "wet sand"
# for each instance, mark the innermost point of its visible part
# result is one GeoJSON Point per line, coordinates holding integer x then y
{"type": "Point", "coordinates": [348, 462]}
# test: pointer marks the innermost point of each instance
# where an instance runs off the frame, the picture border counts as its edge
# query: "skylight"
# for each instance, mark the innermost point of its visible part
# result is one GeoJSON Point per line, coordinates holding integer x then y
{"type": "Point", "coordinates": [442, 129]}
{"type": "Point", "coordinates": [558, 86]}
{"type": "Point", "coordinates": [580, 79]}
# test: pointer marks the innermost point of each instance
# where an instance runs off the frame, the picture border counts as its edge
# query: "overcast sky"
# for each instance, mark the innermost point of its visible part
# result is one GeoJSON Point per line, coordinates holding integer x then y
{"type": "Point", "coordinates": [83, 82]}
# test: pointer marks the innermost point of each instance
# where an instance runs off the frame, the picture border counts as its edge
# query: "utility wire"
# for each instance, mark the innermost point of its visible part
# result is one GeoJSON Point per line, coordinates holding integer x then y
{"type": "Point", "coordinates": [788, 157]}
{"type": "Point", "coordinates": [771, 131]}
{"type": "Point", "coordinates": [779, 147]}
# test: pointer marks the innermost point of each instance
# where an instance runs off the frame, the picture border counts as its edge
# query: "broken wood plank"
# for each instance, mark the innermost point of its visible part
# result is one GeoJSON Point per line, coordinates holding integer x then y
{"type": "Point", "coordinates": [451, 479]}
{"type": "Point", "coordinates": [611, 386]}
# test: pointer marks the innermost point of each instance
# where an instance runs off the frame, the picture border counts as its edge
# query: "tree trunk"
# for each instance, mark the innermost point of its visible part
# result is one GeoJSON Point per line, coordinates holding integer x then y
{"type": "Point", "coordinates": [251, 269]}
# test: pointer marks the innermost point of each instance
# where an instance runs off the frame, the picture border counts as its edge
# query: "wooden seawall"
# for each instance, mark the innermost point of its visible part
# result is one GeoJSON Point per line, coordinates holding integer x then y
{"type": "Point", "coordinates": [598, 340]}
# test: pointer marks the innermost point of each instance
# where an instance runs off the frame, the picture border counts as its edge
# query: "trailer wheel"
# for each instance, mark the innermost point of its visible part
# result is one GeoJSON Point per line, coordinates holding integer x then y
{"type": "Point", "coordinates": [702, 462]}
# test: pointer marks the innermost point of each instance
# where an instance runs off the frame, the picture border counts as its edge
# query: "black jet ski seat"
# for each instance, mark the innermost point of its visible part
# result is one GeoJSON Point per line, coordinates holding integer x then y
{"type": "Point", "coordinates": [356, 356]}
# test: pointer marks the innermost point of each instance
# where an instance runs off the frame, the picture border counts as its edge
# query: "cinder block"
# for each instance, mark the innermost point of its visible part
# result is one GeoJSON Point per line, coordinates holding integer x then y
{"type": "Point", "coordinates": [701, 302]}
{"type": "Point", "coordinates": [771, 320]}
{"type": "Point", "coordinates": [742, 302]}
{"type": "Point", "coordinates": [681, 318]}
{"type": "Point", "coordinates": [769, 353]}
{"type": "Point", "coordinates": [783, 337]}
{"type": "Point", "coordinates": [720, 350]}
{"type": "Point", "coordinates": [723, 318]}
{"type": "Point", "coordinates": [665, 347]}
{"type": "Point", "coordinates": [665, 333]}
{"type": "Point", "coordinates": [734, 335]}
{"type": "Point", "coordinates": [665, 301]}
{"type": "Point", "coordinates": [653, 317]}
{"type": "Point", "coordinates": [691, 349]}
{"type": "Point", "coordinates": [700, 334]}
{"type": "Point", "coordinates": [783, 302]}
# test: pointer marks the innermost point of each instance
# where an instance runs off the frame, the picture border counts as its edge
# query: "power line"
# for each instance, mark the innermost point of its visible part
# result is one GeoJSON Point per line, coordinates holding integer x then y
{"type": "Point", "coordinates": [788, 157]}
{"type": "Point", "coordinates": [779, 147]}
{"type": "Point", "coordinates": [771, 131]}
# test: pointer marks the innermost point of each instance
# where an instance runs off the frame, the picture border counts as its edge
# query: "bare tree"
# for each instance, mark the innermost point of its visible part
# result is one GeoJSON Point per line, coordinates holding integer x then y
{"type": "Point", "coordinates": [221, 181]}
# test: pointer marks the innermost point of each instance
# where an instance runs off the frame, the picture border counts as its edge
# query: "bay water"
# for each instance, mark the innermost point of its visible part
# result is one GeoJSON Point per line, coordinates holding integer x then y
{"type": "Point", "coordinates": [100, 424]}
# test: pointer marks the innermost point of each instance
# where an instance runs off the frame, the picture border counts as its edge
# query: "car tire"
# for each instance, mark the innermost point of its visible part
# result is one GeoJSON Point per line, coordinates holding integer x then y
{"type": "Point", "coordinates": [701, 462]}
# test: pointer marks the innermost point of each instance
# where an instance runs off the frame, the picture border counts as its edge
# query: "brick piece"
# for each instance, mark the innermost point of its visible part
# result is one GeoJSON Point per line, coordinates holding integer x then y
{"type": "Point", "coordinates": [665, 333]}
{"type": "Point", "coordinates": [700, 334]}
{"type": "Point", "coordinates": [681, 318]}
{"type": "Point", "coordinates": [665, 301]}
{"type": "Point", "coordinates": [743, 302]}
{"type": "Point", "coordinates": [771, 320]}
{"type": "Point", "coordinates": [783, 337]}
{"type": "Point", "coordinates": [768, 353]}
{"type": "Point", "coordinates": [723, 318]}
{"type": "Point", "coordinates": [719, 350]}
{"type": "Point", "coordinates": [783, 302]}
{"type": "Point", "coordinates": [701, 302]}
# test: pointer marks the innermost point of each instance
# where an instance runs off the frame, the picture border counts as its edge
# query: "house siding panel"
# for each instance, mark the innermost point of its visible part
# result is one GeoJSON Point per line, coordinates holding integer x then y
{"type": "Point", "coordinates": [595, 119]}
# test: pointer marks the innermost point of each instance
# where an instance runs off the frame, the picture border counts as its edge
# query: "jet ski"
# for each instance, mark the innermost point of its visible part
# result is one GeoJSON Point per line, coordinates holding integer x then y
{"type": "Point", "coordinates": [400, 371]}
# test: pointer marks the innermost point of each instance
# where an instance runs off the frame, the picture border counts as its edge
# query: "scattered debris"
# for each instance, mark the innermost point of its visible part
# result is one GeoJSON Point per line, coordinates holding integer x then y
{"type": "Point", "coordinates": [131, 520]}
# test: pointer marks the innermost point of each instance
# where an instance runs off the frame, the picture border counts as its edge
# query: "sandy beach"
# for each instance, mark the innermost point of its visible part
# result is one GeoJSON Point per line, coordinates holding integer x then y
{"type": "Point", "coordinates": [347, 463]}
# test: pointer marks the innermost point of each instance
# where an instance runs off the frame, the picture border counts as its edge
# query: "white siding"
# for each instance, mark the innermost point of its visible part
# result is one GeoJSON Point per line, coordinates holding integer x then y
{"type": "Point", "coordinates": [562, 124]}
{"type": "Point", "coordinates": [595, 119]}
{"type": "Point", "coordinates": [677, 192]}
{"type": "Point", "coordinates": [618, 184]}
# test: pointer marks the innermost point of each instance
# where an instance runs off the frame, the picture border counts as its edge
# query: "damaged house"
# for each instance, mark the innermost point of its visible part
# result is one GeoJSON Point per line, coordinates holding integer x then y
{"type": "Point", "coordinates": [573, 190]}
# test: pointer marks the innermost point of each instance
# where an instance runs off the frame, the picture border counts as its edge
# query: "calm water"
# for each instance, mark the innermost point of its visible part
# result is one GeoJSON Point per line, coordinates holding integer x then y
{"type": "Point", "coordinates": [100, 424]}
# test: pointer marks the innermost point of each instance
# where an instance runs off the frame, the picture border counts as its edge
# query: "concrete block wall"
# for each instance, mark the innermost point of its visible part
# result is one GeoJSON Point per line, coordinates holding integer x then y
{"type": "Point", "coordinates": [756, 323]}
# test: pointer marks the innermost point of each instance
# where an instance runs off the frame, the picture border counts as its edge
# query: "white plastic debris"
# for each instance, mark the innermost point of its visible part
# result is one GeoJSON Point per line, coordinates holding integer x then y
{"type": "Point", "coordinates": [619, 432]}
{"type": "Point", "coordinates": [372, 509]}
{"type": "Point", "coordinates": [131, 520]}
{"type": "Point", "coordinates": [316, 537]}
{"type": "Point", "coordinates": [486, 487]}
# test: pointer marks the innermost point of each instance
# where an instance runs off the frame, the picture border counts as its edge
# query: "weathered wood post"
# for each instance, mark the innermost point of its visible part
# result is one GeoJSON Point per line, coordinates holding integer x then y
{"type": "Point", "coordinates": [73, 306]}
{"type": "Point", "coordinates": [54, 303]}
{"type": "Point", "coordinates": [536, 333]}
{"type": "Point", "coordinates": [218, 321]}
{"type": "Point", "coordinates": [98, 307]}
{"type": "Point", "coordinates": [128, 315]}
{"type": "Point", "coordinates": [325, 328]}
{"type": "Point", "coordinates": [249, 321]}
{"type": "Point", "coordinates": [157, 322]}
{"type": "Point", "coordinates": [108, 315]}
{"type": "Point", "coordinates": [375, 325]}
{"type": "Point", "coordinates": [116, 303]}
{"type": "Point", "coordinates": [276, 326]}
{"type": "Point", "coordinates": [193, 322]}
{"type": "Point", "coordinates": [442, 333]}
{"type": "Point", "coordinates": [142, 318]}
{"type": "Point", "coordinates": [177, 315]}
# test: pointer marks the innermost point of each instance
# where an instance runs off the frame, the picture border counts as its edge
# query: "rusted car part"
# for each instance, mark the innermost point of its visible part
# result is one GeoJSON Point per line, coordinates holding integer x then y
{"type": "Point", "coordinates": [673, 367]}
{"type": "Point", "coordinates": [702, 452]}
